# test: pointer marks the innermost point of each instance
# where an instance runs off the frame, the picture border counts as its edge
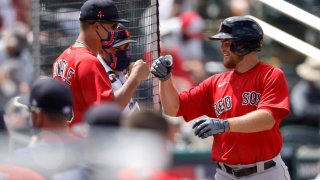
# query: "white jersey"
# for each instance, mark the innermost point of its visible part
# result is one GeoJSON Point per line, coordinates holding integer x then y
{"type": "Point", "coordinates": [117, 82]}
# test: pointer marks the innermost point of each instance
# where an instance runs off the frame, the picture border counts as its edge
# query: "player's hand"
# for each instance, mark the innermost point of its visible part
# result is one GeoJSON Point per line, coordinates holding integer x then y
{"type": "Point", "coordinates": [204, 128]}
{"type": "Point", "coordinates": [140, 70]}
{"type": "Point", "coordinates": [161, 67]}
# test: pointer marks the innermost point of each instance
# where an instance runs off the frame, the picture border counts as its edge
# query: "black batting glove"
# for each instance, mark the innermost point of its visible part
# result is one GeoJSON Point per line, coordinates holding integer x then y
{"type": "Point", "coordinates": [161, 67]}
{"type": "Point", "coordinates": [204, 128]}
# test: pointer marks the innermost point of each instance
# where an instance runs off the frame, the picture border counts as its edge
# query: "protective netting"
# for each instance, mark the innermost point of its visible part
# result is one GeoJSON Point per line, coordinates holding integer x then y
{"type": "Point", "coordinates": [56, 26]}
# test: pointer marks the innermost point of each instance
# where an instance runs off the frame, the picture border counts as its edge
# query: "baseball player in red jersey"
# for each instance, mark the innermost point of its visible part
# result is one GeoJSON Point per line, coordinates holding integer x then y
{"type": "Point", "coordinates": [79, 67]}
{"type": "Point", "coordinates": [244, 106]}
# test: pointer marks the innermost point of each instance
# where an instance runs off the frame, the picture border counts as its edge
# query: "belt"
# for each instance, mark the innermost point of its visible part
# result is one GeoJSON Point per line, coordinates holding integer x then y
{"type": "Point", "coordinates": [246, 171]}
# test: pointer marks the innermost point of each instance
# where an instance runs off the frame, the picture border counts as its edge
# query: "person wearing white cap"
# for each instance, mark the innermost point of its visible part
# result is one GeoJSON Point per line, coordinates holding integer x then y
{"type": "Point", "coordinates": [305, 95]}
{"type": "Point", "coordinates": [305, 103]}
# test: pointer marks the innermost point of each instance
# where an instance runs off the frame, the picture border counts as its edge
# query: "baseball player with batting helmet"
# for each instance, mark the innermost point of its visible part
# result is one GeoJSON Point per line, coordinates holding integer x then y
{"type": "Point", "coordinates": [244, 106]}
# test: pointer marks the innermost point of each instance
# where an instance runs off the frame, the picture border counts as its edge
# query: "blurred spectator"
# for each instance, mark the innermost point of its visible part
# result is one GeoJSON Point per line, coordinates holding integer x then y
{"type": "Point", "coordinates": [15, 52]}
{"type": "Point", "coordinates": [192, 26]}
{"type": "Point", "coordinates": [191, 44]}
{"type": "Point", "coordinates": [16, 70]}
{"type": "Point", "coordinates": [181, 77]}
{"type": "Point", "coordinates": [181, 31]}
{"type": "Point", "coordinates": [305, 95]}
{"type": "Point", "coordinates": [19, 124]}
{"type": "Point", "coordinates": [55, 149]}
{"type": "Point", "coordinates": [302, 128]}
{"type": "Point", "coordinates": [183, 36]}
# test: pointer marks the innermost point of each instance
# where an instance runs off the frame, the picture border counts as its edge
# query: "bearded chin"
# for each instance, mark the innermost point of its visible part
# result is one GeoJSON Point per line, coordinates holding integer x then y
{"type": "Point", "coordinates": [229, 65]}
{"type": "Point", "coordinates": [232, 63]}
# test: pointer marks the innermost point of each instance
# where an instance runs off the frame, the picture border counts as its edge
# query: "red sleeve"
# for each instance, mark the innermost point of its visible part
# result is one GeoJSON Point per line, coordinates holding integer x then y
{"type": "Point", "coordinates": [197, 101]}
{"type": "Point", "coordinates": [94, 82]}
{"type": "Point", "coordinates": [275, 95]}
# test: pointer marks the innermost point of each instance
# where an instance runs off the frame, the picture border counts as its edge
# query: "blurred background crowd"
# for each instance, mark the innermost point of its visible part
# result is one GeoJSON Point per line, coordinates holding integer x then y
{"type": "Point", "coordinates": [184, 28]}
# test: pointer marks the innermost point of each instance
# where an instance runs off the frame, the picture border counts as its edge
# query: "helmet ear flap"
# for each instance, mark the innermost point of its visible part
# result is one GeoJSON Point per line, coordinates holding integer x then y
{"type": "Point", "coordinates": [232, 48]}
{"type": "Point", "coordinates": [239, 49]}
{"type": "Point", "coordinates": [243, 47]}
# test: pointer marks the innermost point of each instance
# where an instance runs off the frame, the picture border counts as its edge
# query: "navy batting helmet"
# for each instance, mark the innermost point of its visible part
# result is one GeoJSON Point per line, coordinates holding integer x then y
{"type": "Point", "coordinates": [246, 32]}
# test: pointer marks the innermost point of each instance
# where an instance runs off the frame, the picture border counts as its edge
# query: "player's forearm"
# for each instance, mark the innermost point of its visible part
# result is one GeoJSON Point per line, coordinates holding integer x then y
{"type": "Point", "coordinates": [125, 93]}
{"type": "Point", "coordinates": [169, 98]}
{"type": "Point", "coordinates": [256, 121]}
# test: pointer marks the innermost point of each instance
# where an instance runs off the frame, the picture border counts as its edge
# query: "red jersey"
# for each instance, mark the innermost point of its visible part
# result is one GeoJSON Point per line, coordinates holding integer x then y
{"type": "Point", "coordinates": [232, 94]}
{"type": "Point", "coordinates": [81, 70]}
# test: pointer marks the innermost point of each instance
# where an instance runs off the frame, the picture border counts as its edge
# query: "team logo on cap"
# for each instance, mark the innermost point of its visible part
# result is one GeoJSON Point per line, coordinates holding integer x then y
{"type": "Point", "coordinates": [100, 14]}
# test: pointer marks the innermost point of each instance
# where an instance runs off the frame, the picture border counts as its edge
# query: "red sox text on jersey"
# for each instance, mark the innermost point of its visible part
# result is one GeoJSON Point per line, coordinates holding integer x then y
{"type": "Point", "coordinates": [225, 104]}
